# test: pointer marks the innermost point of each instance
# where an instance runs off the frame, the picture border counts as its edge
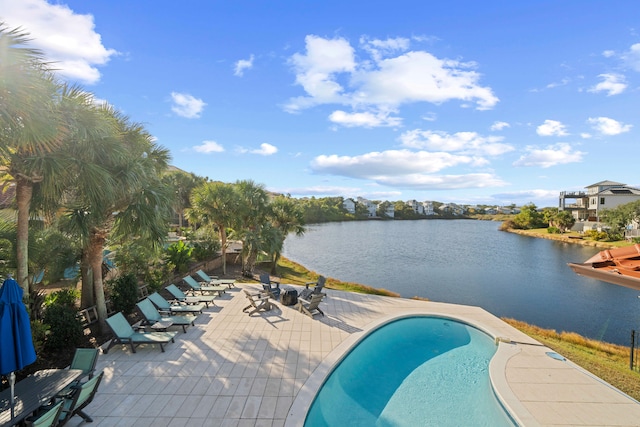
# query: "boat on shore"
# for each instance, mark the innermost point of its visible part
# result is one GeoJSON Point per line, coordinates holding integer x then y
{"type": "Point", "coordinates": [620, 266]}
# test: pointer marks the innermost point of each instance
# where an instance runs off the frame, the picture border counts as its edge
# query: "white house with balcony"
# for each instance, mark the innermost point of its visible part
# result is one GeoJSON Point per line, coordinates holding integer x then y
{"type": "Point", "coordinates": [389, 211]}
{"type": "Point", "coordinates": [588, 205]}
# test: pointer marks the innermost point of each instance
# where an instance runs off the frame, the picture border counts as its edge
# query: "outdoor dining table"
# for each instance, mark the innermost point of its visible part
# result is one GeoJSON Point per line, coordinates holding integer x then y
{"type": "Point", "coordinates": [33, 391]}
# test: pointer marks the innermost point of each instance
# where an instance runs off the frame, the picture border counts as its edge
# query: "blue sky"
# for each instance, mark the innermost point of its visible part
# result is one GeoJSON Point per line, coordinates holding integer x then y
{"type": "Point", "coordinates": [492, 102]}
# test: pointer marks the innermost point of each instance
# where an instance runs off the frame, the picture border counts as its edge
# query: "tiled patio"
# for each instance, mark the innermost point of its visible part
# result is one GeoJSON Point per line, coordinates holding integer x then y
{"type": "Point", "coordinates": [235, 370]}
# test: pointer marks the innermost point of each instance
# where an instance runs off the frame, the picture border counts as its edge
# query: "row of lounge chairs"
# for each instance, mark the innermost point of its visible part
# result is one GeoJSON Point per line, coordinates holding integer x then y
{"type": "Point", "coordinates": [159, 314]}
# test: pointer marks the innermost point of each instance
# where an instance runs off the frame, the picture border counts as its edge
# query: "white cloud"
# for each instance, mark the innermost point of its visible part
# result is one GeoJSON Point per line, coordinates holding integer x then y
{"type": "Point", "coordinates": [67, 39]}
{"type": "Point", "coordinates": [209, 147]}
{"type": "Point", "coordinates": [632, 57]}
{"type": "Point", "coordinates": [391, 162]}
{"type": "Point", "coordinates": [585, 135]}
{"type": "Point", "coordinates": [265, 149]}
{"type": "Point", "coordinates": [499, 126]}
{"type": "Point", "coordinates": [608, 53]}
{"type": "Point", "coordinates": [380, 48]}
{"type": "Point", "coordinates": [365, 119]}
{"type": "Point", "coordinates": [443, 182]}
{"type": "Point", "coordinates": [552, 155]}
{"type": "Point", "coordinates": [186, 105]}
{"type": "Point", "coordinates": [330, 73]}
{"type": "Point", "coordinates": [242, 65]}
{"type": "Point", "coordinates": [613, 84]}
{"type": "Point", "coordinates": [565, 81]}
{"type": "Point", "coordinates": [318, 190]}
{"type": "Point", "coordinates": [607, 126]}
{"type": "Point", "coordinates": [469, 143]}
{"type": "Point", "coordinates": [552, 128]}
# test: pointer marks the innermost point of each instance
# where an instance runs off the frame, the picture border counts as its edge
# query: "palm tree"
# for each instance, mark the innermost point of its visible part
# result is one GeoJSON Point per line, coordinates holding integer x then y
{"type": "Point", "coordinates": [28, 127]}
{"type": "Point", "coordinates": [251, 217]}
{"type": "Point", "coordinates": [215, 204]}
{"type": "Point", "coordinates": [131, 201]}
{"type": "Point", "coordinates": [182, 184]}
{"type": "Point", "coordinates": [287, 217]}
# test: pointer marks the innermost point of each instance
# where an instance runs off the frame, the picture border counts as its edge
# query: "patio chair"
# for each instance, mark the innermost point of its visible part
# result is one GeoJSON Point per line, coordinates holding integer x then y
{"type": "Point", "coordinates": [182, 298]}
{"type": "Point", "coordinates": [82, 395]}
{"type": "Point", "coordinates": [152, 316]}
{"type": "Point", "coordinates": [123, 333]}
{"type": "Point", "coordinates": [46, 417]}
{"type": "Point", "coordinates": [258, 302]}
{"type": "Point", "coordinates": [317, 289]}
{"type": "Point", "coordinates": [198, 287]}
{"type": "Point", "coordinates": [164, 305]}
{"type": "Point", "coordinates": [266, 282]}
{"type": "Point", "coordinates": [310, 308]}
{"type": "Point", "coordinates": [84, 359]}
{"type": "Point", "coordinates": [215, 280]}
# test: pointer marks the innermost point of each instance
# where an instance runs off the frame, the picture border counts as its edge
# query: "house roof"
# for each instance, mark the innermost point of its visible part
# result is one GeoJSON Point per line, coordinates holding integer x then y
{"type": "Point", "coordinates": [611, 183]}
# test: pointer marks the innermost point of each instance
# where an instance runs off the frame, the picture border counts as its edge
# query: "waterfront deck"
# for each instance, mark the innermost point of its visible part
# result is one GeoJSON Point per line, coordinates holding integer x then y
{"type": "Point", "coordinates": [234, 370]}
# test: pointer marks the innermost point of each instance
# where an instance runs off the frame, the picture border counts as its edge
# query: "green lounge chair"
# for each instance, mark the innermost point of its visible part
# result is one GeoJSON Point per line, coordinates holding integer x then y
{"type": "Point", "coordinates": [152, 316]}
{"type": "Point", "coordinates": [182, 298]}
{"type": "Point", "coordinates": [310, 308]}
{"type": "Point", "coordinates": [198, 287]}
{"type": "Point", "coordinates": [48, 416]}
{"type": "Point", "coordinates": [164, 305]}
{"type": "Point", "coordinates": [81, 396]}
{"type": "Point", "coordinates": [215, 280]}
{"type": "Point", "coordinates": [123, 333]}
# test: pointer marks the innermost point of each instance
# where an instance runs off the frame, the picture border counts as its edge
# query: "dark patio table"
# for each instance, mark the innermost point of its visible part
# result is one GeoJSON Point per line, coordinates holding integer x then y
{"type": "Point", "coordinates": [33, 391]}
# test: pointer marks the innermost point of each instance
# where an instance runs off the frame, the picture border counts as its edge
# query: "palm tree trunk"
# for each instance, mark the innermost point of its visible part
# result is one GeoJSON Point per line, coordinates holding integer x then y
{"type": "Point", "coordinates": [24, 191]}
{"type": "Point", "coordinates": [87, 296]}
{"type": "Point", "coordinates": [223, 242]}
{"type": "Point", "coordinates": [96, 246]}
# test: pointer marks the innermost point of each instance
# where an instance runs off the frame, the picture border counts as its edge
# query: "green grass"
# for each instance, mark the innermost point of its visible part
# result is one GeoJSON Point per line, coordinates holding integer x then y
{"type": "Point", "coordinates": [294, 273]}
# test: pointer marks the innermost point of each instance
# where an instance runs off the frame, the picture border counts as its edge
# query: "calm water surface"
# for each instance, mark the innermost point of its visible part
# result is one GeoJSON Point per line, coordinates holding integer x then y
{"type": "Point", "coordinates": [471, 262]}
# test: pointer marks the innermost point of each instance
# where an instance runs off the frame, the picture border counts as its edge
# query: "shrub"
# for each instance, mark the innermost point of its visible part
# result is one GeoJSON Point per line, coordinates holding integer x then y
{"type": "Point", "coordinates": [508, 225]}
{"type": "Point", "coordinates": [595, 235]}
{"type": "Point", "coordinates": [179, 256]}
{"type": "Point", "coordinates": [204, 250]}
{"type": "Point", "coordinates": [61, 316]}
{"type": "Point", "coordinates": [553, 230]}
{"type": "Point", "coordinates": [123, 293]}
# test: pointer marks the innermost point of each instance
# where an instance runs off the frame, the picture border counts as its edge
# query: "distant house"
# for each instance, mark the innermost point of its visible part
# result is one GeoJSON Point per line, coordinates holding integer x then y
{"type": "Point", "coordinates": [371, 207]}
{"type": "Point", "coordinates": [427, 206]}
{"type": "Point", "coordinates": [452, 209]}
{"type": "Point", "coordinates": [588, 205]}
{"type": "Point", "coordinates": [415, 206]}
{"type": "Point", "coordinates": [349, 205]}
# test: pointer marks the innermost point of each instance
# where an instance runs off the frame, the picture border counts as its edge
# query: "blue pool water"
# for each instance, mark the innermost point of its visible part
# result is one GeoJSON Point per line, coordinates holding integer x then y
{"type": "Point", "coordinates": [417, 371]}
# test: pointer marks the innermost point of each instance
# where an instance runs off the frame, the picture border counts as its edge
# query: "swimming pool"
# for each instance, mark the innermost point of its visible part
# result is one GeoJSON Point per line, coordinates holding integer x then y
{"type": "Point", "coordinates": [416, 371]}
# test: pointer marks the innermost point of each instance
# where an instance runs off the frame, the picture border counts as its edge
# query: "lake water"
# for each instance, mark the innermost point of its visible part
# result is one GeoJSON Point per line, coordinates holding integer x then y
{"type": "Point", "coordinates": [472, 262]}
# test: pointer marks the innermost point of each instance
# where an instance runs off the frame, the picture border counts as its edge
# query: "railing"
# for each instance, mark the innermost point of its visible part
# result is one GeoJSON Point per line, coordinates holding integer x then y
{"type": "Point", "coordinates": [634, 356]}
{"type": "Point", "coordinates": [630, 234]}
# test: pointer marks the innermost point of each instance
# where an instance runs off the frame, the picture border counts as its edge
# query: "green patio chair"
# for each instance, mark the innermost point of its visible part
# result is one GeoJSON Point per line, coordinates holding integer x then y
{"type": "Point", "coordinates": [164, 305]}
{"type": "Point", "coordinates": [200, 288]}
{"type": "Point", "coordinates": [123, 333]}
{"type": "Point", "coordinates": [82, 395]}
{"type": "Point", "coordinates": [152, 315]}
{"type": "Point", "coordinates": [183, 298]}
{"type": "Point", "coordinates": [84, 359]}
{"type": "Point", "coordinates": [306, 293]}
{"type": "Point", "coordinates": [48, 416]}
{"type": "Point", "coordinates": [215, 280]}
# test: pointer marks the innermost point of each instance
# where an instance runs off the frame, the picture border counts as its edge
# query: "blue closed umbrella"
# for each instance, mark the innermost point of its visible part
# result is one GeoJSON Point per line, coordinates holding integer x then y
{"type": "Point", "coordinates": [16, 343]}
